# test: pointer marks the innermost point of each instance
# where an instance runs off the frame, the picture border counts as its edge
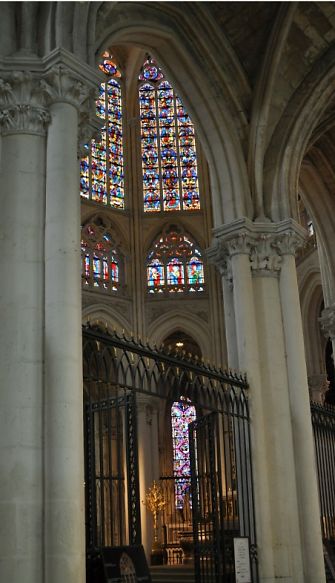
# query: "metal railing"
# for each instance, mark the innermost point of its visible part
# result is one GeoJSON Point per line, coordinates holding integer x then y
{"type": "Point", "coordinates": [323, 421]}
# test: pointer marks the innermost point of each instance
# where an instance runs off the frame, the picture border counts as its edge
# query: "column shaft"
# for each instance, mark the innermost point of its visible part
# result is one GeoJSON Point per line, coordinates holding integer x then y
{"type": "Point", "coordinates": [278, 431]}
{"type": "Point", "coordinates": [249, 360]}
{"type": "Point", "coordinates": [21, 357]}
{"type": "Point", "coordinates": [301, 424]}
{"type": "Point", "coordinates": [229, 316]}
{"type": "Point", "coordinates": [64, 480]}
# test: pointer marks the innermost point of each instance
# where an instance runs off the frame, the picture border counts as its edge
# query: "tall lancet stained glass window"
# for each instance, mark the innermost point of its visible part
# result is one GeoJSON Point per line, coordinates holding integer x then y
{"type": "Point", "coordinates": [182, 414]}
{"type": "Point", "coordinates": [169, 159]}
{"type": "Point", "coordinates": [102, 169]}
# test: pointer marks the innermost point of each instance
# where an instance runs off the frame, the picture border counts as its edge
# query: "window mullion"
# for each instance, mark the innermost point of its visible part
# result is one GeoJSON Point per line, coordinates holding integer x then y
{"type": "Point", "coordinates": [159, 152]}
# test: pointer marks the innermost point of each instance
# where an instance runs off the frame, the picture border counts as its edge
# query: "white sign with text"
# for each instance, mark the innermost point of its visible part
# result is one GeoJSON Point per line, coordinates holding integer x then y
{"type": "Point", "coordinates": [242, 560]}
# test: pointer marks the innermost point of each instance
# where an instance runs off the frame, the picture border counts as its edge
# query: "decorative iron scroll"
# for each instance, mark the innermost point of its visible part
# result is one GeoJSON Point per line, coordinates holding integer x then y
{"type": "Point", "coordinates": [122, 361]}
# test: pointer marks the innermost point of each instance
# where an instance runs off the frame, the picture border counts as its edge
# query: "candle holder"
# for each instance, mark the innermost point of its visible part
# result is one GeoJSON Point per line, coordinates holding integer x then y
{"type": "Point", "coordinates": [155, 502]}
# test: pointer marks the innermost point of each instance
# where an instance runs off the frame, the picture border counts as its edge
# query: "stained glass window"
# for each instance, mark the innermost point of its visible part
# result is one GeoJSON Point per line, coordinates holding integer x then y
{"type": "Point", "coordinates": [169, 160]}
{"type": "Point", "coordinates": [175, 264]}
{"type": "Point", "coordinates": [102, 169]}
{"type": "Point", "coordinates": [182, 414]}
{"type": "Point", "coordinates": [100, 258]}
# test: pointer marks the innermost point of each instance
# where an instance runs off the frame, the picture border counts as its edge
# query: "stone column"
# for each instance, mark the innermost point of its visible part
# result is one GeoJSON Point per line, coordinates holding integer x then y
{"type": "Point", "coordinates": [266, 311]}
{"type": "Point", "coordinates": [64, 463]}
{"type": "Point", "coordinates": [232, 256]}
{"type": "Point", "coordinates": [23, 122]}
{"type": "Point", "coordinates": [305, 467]}
{"type": "Point", "coordinates": [148, 461]}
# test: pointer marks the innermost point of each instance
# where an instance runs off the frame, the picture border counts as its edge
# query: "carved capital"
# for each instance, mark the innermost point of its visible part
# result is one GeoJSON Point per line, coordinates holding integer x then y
{"type": "Point", "coordinates": [23, 104]}
{"type": "Point", "coordinates": [264, 243]}
{"type": "Point", "coordinates": [327, 321]}
{"type": "Point", "coordinates": [264, 256]}
{"type": "Point", "coordinates": [288, 243]}
{"type": "Point", "coordinates": [219, 256]}
{"type": "Point", "coordinates": [318, 386]}
{"type": "Point", "coordinates": [62, 85]}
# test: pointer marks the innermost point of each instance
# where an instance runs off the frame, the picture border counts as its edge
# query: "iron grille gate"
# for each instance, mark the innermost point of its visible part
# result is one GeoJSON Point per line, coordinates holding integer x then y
{"type": "Point", "coordinates": [222, 496]}
{"type": "Point", "coordinates": [117, 368]}
{"type": "Point", "coordinates": [323, 422]}
{"type": "Point", "coordinates": [111, 464]}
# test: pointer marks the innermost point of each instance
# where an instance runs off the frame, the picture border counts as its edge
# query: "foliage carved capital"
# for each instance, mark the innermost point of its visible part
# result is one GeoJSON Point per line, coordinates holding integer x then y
{"type": "Point", "coordinates": [264, 243]}
{"type": "Point", "coordinates": [23, 104]}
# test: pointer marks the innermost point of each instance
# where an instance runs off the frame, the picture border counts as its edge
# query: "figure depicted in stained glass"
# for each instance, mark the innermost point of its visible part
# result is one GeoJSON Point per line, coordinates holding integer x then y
{"type": "Point", "coordinates": [175, 272]}
{"type": "Point", "coordinates": [155, 275]}
{"type": "Point", "coordinates": [168, 145]}
{"type": "Point", "coordinates": [195, 271]}
{"type": "Point", "coordinates": [102, 169]}
{"type": "Point", "coordinates": [182, 414]}
{"type": "Point", "coordinates": [175, 264]}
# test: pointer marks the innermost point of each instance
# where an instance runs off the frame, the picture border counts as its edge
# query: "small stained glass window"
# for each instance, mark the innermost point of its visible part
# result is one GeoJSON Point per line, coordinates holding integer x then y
{"type": "Point", "coordinates": [102, 168]}
{"type": "Point", "coordinates": [100, 258]}
{"type": "Point", "coordinates": [169, 159]}
{"type": "Point", "coordinates": [174, 264]}
{"type": "Point", "coordinates": [182, 414]}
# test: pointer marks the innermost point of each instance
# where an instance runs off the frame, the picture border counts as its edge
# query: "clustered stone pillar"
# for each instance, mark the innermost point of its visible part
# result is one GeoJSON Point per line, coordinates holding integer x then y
{"type": "Point", "coordinates": [260, 257]}
{"type": "Point", "coordinates": [23, 123]}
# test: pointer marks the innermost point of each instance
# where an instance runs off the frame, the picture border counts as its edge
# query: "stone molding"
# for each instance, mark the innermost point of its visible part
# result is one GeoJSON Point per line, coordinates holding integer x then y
{"type": "Point", "coordinates": [264, 243]}
{"type": "Point", "coordinates": [327, 321]}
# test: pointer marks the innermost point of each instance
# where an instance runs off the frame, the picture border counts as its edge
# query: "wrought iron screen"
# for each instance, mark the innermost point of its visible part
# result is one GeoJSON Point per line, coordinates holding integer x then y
{"type": "Point", "coordinates": [222, 496]}
{"type": "Point", "coordinates": [116, 368]}
{"type": "Point", "coordinates": [323, 421]}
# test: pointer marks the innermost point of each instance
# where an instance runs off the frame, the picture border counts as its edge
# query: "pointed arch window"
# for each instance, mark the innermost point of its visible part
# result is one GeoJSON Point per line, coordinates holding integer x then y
{"type": "Point", "coordinates": [174, 264]}
{"type": "Point", "coordinates": [182, 414]}
{"type": "Point", "coordinates": [100, 258]}
{"type": "Point", "coordinates": [102, 168]}
{"type": "Point", "coordinates": [169, 159]}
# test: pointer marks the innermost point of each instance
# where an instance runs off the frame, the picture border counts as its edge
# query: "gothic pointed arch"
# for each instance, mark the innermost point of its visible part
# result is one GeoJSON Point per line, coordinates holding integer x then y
{"type": "Point", "coordinates": [213, 114]}
{"type": "Point", "coordinates": [103, 265]}
{"type": "Point", "coordinates": [175, 263]}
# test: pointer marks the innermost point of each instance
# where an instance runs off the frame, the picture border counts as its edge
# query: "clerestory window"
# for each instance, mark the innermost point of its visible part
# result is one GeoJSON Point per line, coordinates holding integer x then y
{"type": "Point", "coordinates": [102, 169]}
{"type": "Point", "coordinates": [100, 257]}
{"type": "Point", "coordinates": [169, 173]}
{"type": "Point", "coordinates": [169, 158]}
{"type": "Point", "coordinates": [174, 264]}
